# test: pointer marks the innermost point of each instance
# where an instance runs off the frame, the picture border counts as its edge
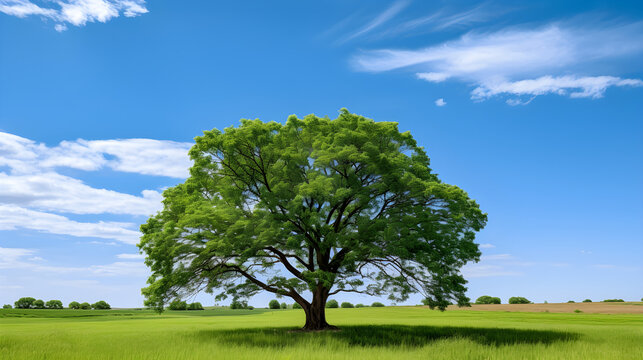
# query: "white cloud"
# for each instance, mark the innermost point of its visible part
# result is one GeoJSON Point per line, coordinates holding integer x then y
{"type": "Point", "coordinates": [440, 102]}
{"type": "Point", "coordinates": [382, 18]}
{"type": "Point", "coordinates": [481, 270]}
{"type": "Point", "coordinates": [496, 257]}
{"type": "Point", "coordinates": [518, 61]}
{"type": "Point", "coordinates": [14, 218]}
{"type": "Point", "coordinates": [75, 12]}
{"type": "Point", "coordinates": [487, 246]}
{"type": "Point", "coordinates": [130, 256]}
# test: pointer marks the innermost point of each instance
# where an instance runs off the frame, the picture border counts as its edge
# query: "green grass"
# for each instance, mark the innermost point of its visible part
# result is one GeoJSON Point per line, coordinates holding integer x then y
{"type": "Point", "coordinates": [366, 333]}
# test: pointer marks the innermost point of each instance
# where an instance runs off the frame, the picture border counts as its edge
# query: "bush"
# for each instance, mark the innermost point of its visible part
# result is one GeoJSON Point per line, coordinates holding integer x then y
{"type": "Point", "coordinates": [518, 300]}
{"type": "Point", "coordinates": [38, 304]}
{"type": "Point", "coordinates": [571, 302]}
{"type": "Point", "coordinates": [74, 305]}
{"type": "Point", "coordinates": [238, 305]}
{"type": "Point", "coordinates": [24, 303]}
{"type": "Point", "coordinates": [577, 311]}
{"type": "Point", "coordinates": [101, 305]}
{"type": "Point", "coordinates": [274, 304]}
{"type": "Point", "coordinates": [6, 306]}
{"type": "Point", "coordinates": [178, 305]}
{"type": "Point", "coordinates": [587, 300]}
{"type": "Point", "coordinates": [347, 305]}
{"type": "Point", "coordinates": [332, 304]}
{"type": "Point", "coordinates": [54, 304]}
{"type": "Point", "coordinates": [486, 299]}
{"type": "Point", "coordinates": [377, 304]}
{"type": "Point", "coordinates": [195, 306]}
{"type": "Point", "coordinates": [85, 306]}
{"type": "Point", "coordinates": [613, 300]}
{"type": "Point", "coordinates": [359, 305]}
{"type": "Point", "coordinates": [296, 306]}
{"type": "Point", "coordinates": [284, 305]}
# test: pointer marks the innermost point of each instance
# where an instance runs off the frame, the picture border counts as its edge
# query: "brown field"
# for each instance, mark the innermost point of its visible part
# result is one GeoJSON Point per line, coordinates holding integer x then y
{"type": "Point", "coordinates": [590, 308]}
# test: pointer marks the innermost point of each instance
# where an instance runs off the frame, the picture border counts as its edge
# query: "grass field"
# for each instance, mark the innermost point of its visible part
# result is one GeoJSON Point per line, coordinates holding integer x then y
{"type": "Point", "coordinates": [366, 333]}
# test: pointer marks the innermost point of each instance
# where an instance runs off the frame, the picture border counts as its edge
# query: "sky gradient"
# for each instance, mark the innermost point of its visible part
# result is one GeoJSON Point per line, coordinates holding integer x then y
{"type": "Point", "coordinates": [533, 109]}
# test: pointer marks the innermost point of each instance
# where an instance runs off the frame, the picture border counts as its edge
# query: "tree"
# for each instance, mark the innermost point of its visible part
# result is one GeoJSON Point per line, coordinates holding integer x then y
{"type": "Point", "coordinates": [236, 304]}
{"type": "Point", "coordinates": [346, 305]}
{"type": "Point", "coordinates": [284, 305]}
{"type": "Point", "coordinates": [101, 305]}
{"type": "Point", "coordinates": [85, 306]}
{"type": "Point", "coordinates": [377, 304]}
{"type": "Point", "coordinates": [587, 300]}
{"type": "Point", "coordinates": [74, 305]}
{"type": "Point", "coordinates": [24, 303]}
{"type": "Point", "coordinates": [332, 304]}
{"type": "Point", "coordinates": [518, 300]}
{"type": "Point", "coordinates": [343, 205]}
{"type": "Point", "coordinates": [177, 304]}
{"type": "Point", "coordinates": [195, 306]}
{"type": "Point", "coordinates": [486, 299]}
{"type": "Point", "coordinates": [296, 306]}
{"type": "Point", "coordinates": [39, 304]}
{"type": "Point", "coordinates": [54, 304]}
{"type": "Point", "coordinates": [359, 305]}
{"type": "Point", "coordinates": [6, 306]}
{"type": "Point", "coordinates": [274, 304]}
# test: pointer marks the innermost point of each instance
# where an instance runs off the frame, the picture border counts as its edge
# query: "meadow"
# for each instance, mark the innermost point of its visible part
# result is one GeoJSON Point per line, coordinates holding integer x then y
{"type": "Point", "coordinates": [366, 333]}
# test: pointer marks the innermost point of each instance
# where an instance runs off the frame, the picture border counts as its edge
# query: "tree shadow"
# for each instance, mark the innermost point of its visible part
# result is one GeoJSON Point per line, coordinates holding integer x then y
{"type": "Point", "coordinates": [383, 336]}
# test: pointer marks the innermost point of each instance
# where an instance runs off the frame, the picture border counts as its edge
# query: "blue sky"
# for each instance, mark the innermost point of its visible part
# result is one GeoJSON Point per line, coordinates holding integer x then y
{"type": "Point", "coordinates": [533, 108]}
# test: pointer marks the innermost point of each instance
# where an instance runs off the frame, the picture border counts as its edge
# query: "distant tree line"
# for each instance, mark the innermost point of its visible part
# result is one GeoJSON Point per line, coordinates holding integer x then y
{"type": "Point", "coordinates": [182, 305]}
{"type": "Point", "coordinates": [330, 304]}
{"type": "Point", "coordinates": [32, 303]}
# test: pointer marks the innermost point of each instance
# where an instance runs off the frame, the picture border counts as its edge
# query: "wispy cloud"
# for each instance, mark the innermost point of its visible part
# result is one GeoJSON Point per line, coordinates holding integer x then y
{"type": "Point", "coordinates": [517, 61]}
{"type": "Point", "coordinates": [442, 19]}
{"type": "Point", "coordinates": [487, 246]}
{"type": "Point", "coordinates": [131, 256]}
{"type": "Point", "coordinates": [379, 20]}
{"type": "Point", "coordinates": [440, 102]}
{"type": "Point", "coordinates": [74, 12]}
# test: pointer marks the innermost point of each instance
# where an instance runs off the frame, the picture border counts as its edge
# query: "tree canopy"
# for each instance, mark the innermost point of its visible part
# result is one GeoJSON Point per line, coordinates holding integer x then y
{"type": "Point", "coordinates": [315, 206]}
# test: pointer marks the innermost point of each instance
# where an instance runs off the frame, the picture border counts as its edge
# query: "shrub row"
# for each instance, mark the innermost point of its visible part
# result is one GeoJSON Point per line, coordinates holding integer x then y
{"type": "Point", "coordinates": [32, 303]}
{"type": "Point", "coordinates": [330, 304]}
{"type": "Point", "coordinates": [182, 305]}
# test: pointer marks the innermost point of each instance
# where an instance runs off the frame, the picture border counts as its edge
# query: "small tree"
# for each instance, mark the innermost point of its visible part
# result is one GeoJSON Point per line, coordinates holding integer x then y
{"type": "Point", "coordinates": [24, 303]}
{"type": "Point", "coordinates": [39, 304]}
{"type": "Point", "coordinates": [332, 304]}
{"type": "Point", "coordinates": [6, 306]}
{"type": "Point", "coordinates": [101, 305]}
{"type": "Point", "coordinates": [359, 305]}
{"type": "Point", "coordinates": [195, 306]}
{"type": "Point", "coordinates": [518, 300]}
{"type": "Point", "coordinates": [274, 304]}
{"type": "Point", "coordinates": [613, 300]}
{"type": "Point", "coordinates": [571, 302]}
{"type": "Point", "coordinates": [238, 305]}
{"type": "Point", "coordinates": [377, 304]}
{"type": "Point", "coordinates": [54, 304]}
{"type": "Point", "coordinates": [178, 304]}
{"type": "Point", "coordinates": [74, 305]}
{"type": "Point", "coordinates": [296, 306]}
{"type": "Point", "coordinates": [85, 306]}
{"type": "Point", "coordinates": [587, 300]}
{"type": "Point", "coordinates": [486, 299]}
{"type": "Point", "coordinates": [347, 305]}
{"type": "Point", "coordinates": [284, 305]}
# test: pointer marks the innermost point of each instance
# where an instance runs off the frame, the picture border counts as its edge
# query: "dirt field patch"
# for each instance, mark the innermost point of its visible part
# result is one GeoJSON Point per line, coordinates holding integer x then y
{"type": "Point", "coordinates": [590, 308]}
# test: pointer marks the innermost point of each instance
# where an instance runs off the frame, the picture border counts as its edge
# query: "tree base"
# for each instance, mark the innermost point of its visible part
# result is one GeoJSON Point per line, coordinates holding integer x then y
{"type": "Point", "coordinates": [325, 327]}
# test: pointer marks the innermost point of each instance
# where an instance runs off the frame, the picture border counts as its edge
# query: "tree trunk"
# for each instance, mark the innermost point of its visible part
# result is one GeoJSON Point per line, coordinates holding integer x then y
{"type": "Point", "coordinates": [316, 312]}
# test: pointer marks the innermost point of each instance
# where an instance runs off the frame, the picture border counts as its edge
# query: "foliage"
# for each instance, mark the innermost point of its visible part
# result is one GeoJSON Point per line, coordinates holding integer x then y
{"type": "Point", "coordinates": [284, 305]}
{"type": "Point", "coordinates": [346, 305]}
{"type": "Point", "coordinates": [237, 304]}
{"type": "Point", "coordinates": [195, 306]}
{"type": "Point", "coordinates": [613, 300]}
{"type": "Point", "coordinates": [24, 303]}
{"type": "Point", "coordinates": [377, 304]}
{"type": "Point", "coordinates": [332, 304]}
{"type": "Point", "coordinates": [343, 205]}
{"type": "Point", "coordinates": [296, 306]}
{"type": "Point", "coordinates": [571, 302]}
{"type": "Point", "coordinates": [85, 306]}
{"type": "Point", "coordinates": [486, 299]}
{"type": "Point", "coordinates": [54, 304]}
{"type": "Point", "coordinates": [7, 306]}
{"type": "Point", "coordinates": [178, 304]}
{"type": "Point", "coordinates": [274, 304]}
{"type": "Point", "coordinates": [38, 304]}
{"type": "Point", "coordinates": [101, 305]}
{"type": "Point", "coordinates": [577, 311]}
{"type": "Point", "coordinates": [359, 305]}
{"type": "Point", "coordinates": [74, 305]}
{"type": "Point", "coordinates": [518, 300]}
{"type": "Point", "coordinates": [587, 300]}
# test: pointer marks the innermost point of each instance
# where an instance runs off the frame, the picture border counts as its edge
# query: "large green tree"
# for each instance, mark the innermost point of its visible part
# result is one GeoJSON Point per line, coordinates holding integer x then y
{"type": "Point", "coordinates": [309, 209]}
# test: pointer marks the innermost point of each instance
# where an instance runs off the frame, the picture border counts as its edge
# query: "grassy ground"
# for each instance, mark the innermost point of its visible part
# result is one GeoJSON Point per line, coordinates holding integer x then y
{"type": "Point", "coordinates": [366, 333]}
